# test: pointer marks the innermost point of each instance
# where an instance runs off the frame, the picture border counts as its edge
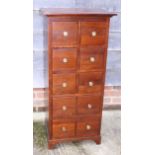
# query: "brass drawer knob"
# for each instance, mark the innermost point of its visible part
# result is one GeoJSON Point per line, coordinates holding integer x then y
{"type": "Point", "coordinates": [64, 84]}
{"type": "Point", "coordinates": [64, 108]}
{"type": "Point", "coordinates": [64, 60]}
{"type": "Point", "coordinates": [93, 33]}
{"type": "Point", "coordinates": [89, 106]}
{"type": "Point", "coordinates": [91, 83]}
{"type": "Point", "coordinates": [88, 127]}
{"type": "Point", "coordinates": [92, 59]}
{"type": "Point", "coordinates": [63, 129]}
{"type": "Point", "coordinates": [65, 33]}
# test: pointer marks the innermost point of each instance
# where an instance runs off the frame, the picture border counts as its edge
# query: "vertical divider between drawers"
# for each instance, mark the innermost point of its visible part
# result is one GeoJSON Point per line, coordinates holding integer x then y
{"type": "Point", "coordinates": [77, 74]}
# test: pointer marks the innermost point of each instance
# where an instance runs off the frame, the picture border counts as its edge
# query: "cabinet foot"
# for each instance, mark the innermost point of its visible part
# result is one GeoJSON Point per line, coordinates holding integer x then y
{"type": "Point", "coordinates": [98, 140]}
{"type": "Point", "coordinates": [51, 145]}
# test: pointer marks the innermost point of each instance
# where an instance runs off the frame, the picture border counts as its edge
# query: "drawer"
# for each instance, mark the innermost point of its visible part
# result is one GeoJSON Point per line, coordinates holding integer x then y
{"type": "Point", "coordinates": [63, 106]}
{"type": "Point", "coordinates": [64, 33]}
{"type": "Point", "coordinates": [64, 83]}
{"type": "Point", "coordinates": [90, 82]}
{"type": "Point", "coordinates": [91, 58]}
{"type": "Point", "coordinates": [63, 130]}
{"type": "Point", "coordinates": [64, 58]}
{"type": "Point", "coordinates": [89, 104]}
{"type": "Point", "coordinates": [88, 126]}
{"type": "Point", "coordinates": [93, 33]}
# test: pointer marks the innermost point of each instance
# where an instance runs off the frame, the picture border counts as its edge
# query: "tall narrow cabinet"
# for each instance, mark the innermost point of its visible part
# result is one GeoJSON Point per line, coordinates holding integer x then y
{"type": "Point", "coordinates": [77, 53]}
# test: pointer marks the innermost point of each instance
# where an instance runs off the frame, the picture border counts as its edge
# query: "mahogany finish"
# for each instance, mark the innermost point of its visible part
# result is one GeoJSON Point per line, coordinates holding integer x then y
{"type": "Point", "coordinates": [64, 59]}
{"type": "Point", "coordinates": [90, 82]}
{"type": "Point", "coordinates": [91, 58]}
{"type": "Point", "coordinates": [63, 107]}
{"type": "Point", "coordinates": [87, 29]}
{"type": "Point", "coordinates": [64, 83]}
{"type": "Point", "coordinates": [77, 52]}
{"type": "Point", "coordinates": [64, 33]}
{"type": "Point", "coordinates": [89, 105]}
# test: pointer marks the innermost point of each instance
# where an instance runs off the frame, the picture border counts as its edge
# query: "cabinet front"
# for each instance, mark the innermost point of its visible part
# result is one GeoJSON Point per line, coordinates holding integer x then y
{"type": "Point", "coordinates": [64, 34]}
{"type": "Point", "coordinates": [64, 59]}
{"type": "Point", "coordinates": [77, 50]}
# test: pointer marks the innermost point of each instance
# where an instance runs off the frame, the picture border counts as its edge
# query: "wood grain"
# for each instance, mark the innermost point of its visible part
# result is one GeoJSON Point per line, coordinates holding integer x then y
{"type": "Point", "coordinates": [64, 33]}
{"type": "Point", "coordinates": [87, 28]}
{"type": "Point", "coordinates": [77, 53]}
{"type": "Point", "coordinates": [91, 58]}
{"type": "Point", "coordinates": [64, 59]}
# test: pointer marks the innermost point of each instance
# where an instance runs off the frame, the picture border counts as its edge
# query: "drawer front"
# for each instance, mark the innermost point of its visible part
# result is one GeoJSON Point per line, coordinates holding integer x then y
{"type": "Point", "coordinates": [64, 83]}
{"type": "Point", "coordinates": [63, 130]}
{"type": "Point", "coordinates": [90, 82]}
{"type": "Point", "coordinates": [64, 33]}
{"type": "Point", "coordinates": [88, 127]}
{"type": "Point", "coordinates": [91, 58]}
{"type": "Point", "coordinates": [93, 33]}
{"type": "Point", "coordinates": [63, 106]}
{"type": "Point", "coordinates": [89, 104]}
{"type": "Point", "coordinates": [64, 58]}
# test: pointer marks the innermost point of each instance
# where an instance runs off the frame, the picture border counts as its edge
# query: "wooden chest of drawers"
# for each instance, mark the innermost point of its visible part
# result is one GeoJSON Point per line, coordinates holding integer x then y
{"type": "Point", "coordinates": [77, 52]}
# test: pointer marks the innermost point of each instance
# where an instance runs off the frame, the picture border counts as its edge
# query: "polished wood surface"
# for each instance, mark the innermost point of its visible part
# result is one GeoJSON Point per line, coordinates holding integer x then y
{"type": "Point", "coordinates": [92, 33]}
{"type": "Point", "coordinates": [75, 11]}
{"type": "Point", "coordinates": [90, 82]}
{"type": "Point", "coordinates": [64, 83]}
{"type": "Point", "coordinates": [63, 107]}
{"type": "Point", "coordinates": [64, 59]}
{"type": "Point", "coordinates": [89, 104]}
{"type": "Point", "coordinates": [63, 130]}
{"type": "Point", "coordinates": [64, 33]}
{"type": "Point", "coordinates": [77, 53]}
{"type": "Point", "coordinates": [91, 58]}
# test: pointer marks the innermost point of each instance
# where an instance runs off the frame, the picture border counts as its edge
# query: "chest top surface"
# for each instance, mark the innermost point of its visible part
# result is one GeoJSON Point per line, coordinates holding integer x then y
{"type": "Point", "coordinates": [75, 11]}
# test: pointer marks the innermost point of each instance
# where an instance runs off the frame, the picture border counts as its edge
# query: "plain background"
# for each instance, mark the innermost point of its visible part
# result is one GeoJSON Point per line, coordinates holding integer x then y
{"type": "Point", "coordinates": [138, 77]}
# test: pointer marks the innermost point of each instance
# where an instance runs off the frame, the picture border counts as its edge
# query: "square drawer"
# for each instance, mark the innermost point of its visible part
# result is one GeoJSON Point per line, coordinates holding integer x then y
{"type": "Point", "coordinates": [64, 83]}
{"type": "Point", "coordinates": [93, 33]}
{"type": "Point", "coordinates": [64, 33]}
{"type": "Point", "coordinates": [63, 107]}
{"type": "Point", "coordinates": [88, 126]}
{"type": "Point", "coordinates": [89, 104]}
{"type": "Point", "coordinates": [64, 58]}
{"type": "Point", "coordinates": [90, 82]}
{"type": "Point", "coordinates": [63, 130]}
{"type": "Point", "coordinates": [91, 58]}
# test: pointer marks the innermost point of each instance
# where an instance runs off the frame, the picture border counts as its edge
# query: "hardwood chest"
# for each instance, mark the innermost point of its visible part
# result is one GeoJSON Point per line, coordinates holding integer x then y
{"type": "Point", "coordinates": [77, 52]}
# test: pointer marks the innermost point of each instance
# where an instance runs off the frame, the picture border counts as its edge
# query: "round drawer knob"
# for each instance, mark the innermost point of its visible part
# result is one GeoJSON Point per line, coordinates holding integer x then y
{"type": "Point", "coordinates": [88, 127]}
{"type": "Point", "coordinates": [89, 106]}
{"type": "Point", "coordinates": [91, 83]}
{"type": "Point", "coordinates": [65, 33]}
{"type": "Point", "coordinates": [63, 129]}
{"type": "Point", "coordinates": [92, 59]}
{"type": "Point", "coordinates": [64, 84]}
{"type": "Point", "coordinates": [64, 60]}
{"type": "Point", "coordinates": [93, 33]}
{"type": "Point", "coordinates": [64, 108]}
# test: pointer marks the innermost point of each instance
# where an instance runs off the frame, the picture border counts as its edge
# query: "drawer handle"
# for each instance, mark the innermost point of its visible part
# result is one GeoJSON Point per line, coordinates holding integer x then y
{"type": "Point", "coordinates": [65, 33]}
{"type": "Point", "coordinates": [64, 60]}
{"type": "Point", "coordinates": [88, 127]}
{"type": "Point", "coordinates": [91, 83]}
{"type": "Point", "coordinates": [64, 84]}
{"type": "Point", "coordinates": [92, 59]}
{"type": "Point", "coordinates": [89, 106]}
{"type": "Point", "coordinates": [93, 33]}
{"type": "Point", "coordinates": [63, 129]}
{"type": "Point", "coordinates": [64, 108]}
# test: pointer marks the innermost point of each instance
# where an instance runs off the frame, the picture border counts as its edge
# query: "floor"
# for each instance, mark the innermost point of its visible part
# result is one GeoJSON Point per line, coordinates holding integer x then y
{"type": "Point", "coordinates": [110, 145]}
